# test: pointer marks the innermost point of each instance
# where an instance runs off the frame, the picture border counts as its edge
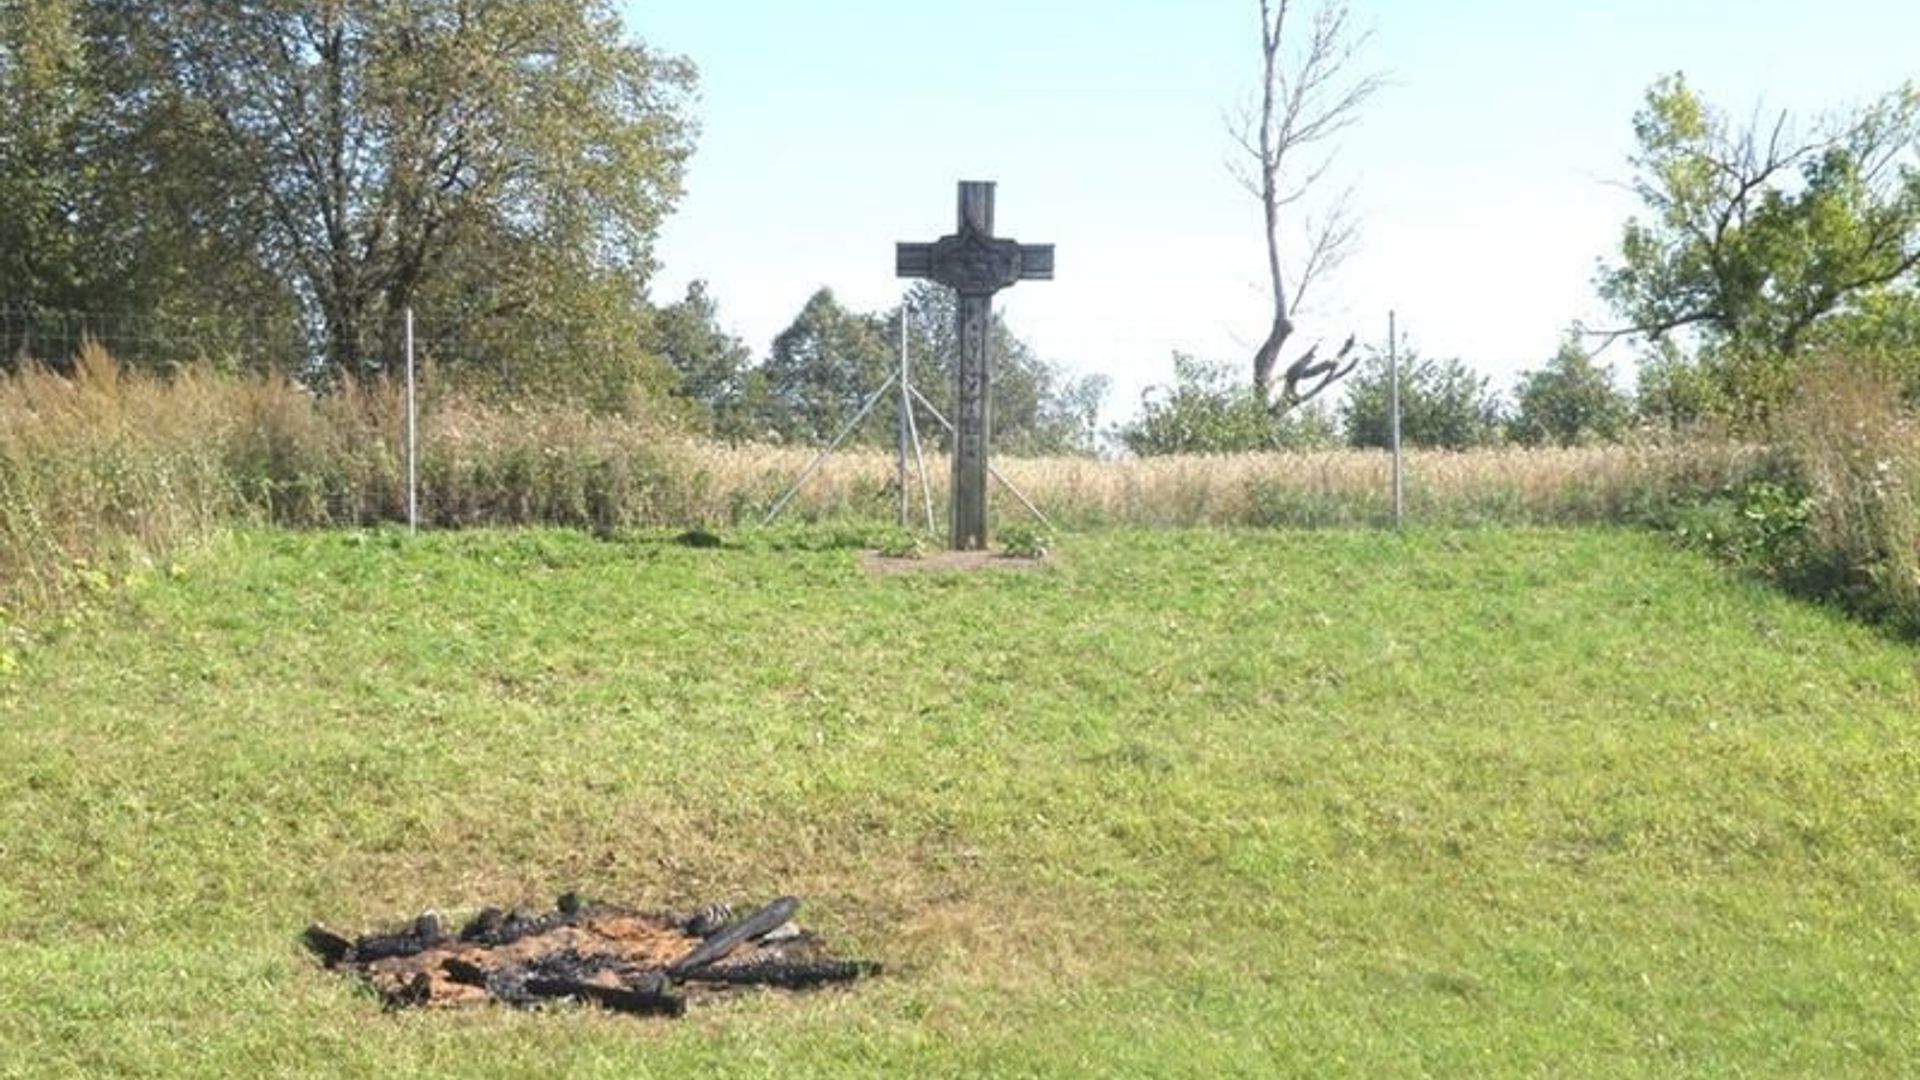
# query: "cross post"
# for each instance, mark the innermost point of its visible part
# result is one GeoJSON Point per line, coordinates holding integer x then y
{"type": "Point", "coordinates": [975, 264]}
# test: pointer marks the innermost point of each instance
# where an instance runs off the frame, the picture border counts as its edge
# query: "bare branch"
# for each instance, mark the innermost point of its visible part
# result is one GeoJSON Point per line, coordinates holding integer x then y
{"type": "Point", "coordinates": [1308, 96]}
{"type": "Point", "coordinates": [1329, 242]}
{"type": "Point", "coordinates": [1657, 328]}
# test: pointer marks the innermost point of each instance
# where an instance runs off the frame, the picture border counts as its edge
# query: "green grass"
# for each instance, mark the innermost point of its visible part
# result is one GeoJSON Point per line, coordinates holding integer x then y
{"type": "Point", "coordinates": [1501, 803]}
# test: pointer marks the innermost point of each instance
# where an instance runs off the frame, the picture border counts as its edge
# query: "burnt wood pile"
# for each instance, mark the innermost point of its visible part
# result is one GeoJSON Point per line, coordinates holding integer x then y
{"type": "Point", "coordinates": [611, 956]}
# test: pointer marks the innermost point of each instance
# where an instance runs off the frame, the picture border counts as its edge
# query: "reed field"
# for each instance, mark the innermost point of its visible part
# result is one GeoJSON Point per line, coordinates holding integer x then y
{"type": "Point", "coordinates": [108, 471]}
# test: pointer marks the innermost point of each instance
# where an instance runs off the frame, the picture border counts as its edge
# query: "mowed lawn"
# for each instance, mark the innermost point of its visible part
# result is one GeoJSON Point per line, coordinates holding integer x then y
{"type": "Point", "coordinates": [1500, 803]}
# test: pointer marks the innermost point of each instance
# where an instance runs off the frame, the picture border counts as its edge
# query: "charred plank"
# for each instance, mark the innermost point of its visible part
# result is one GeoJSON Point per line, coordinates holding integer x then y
{"type": "Point", "coordinates": [412, 994]}
{"type": "Point", "coordinates": [330, 947]}
{"type": "Point", "coordinates": [426, 933]}
{"type": "Point", "coordinates": [737, 934]}
{"type": "Point", "coordinates": [708, 920]}
{"type": "Point", "coordinates": [787, 975]}
{"type": "Point", "coordinates": [495, 928]}
{"type": "Point", "coordinates": [464, 972]}
{"type": "Point", "coordinates": [645, 1000]}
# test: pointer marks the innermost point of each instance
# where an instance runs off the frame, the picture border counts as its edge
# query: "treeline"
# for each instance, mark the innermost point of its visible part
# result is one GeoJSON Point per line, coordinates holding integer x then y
{"type": "Point", "coordinates": [830, 360]}
{"type": "Point", "coordinates": [1572, 400]}
{"type": "Point", "coordinates": [269, 187]}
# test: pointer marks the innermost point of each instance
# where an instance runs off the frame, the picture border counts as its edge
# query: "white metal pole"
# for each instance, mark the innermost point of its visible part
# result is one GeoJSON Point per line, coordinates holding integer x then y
{"type": "Point", "coordinates": [1393, 407]}
{"type": "Point", "coordinates": [413, 454]}
{"type": "Point", "coordinates": [906, 406]}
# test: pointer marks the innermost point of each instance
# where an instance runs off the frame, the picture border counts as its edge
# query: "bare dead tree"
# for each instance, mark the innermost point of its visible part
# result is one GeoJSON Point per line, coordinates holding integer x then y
{"type": "Point", "coordinates": [1308, 96]}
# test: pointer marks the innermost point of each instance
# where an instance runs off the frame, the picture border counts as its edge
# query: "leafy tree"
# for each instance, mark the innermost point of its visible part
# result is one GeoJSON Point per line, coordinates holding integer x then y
{"type": "Point", "coordinates": [823, 367]}
{"type": "Point", "coordinates": [1443, 405]}
{"type": "Point", "coordinates": [1880, 328]}
{"type": "Point", "coordinates": [1571, 400]}
{"type": "Point", "coordinates": [1073, 415]}
{"type": "Point", "coordinates": [504, 159]}
{"type": "Point", "coordinates": [711, 364]}
{"type": "Point", "coordinates": [1676, 392]}
{"type": "Point", "coordinates": [826, 364]}
{"type": "Point", "coordinates": [1754, 235]}
{"type": "Point", "coordinates": [1209, 410]}
{"type": "Point", "coordinates": [43, 83]}
{"type": "Point", "coordinates": [509, 316]}
{"type": "Point", "coordinates": [221, 174]}
{"type": "Point", "coordinates": [108, 191]}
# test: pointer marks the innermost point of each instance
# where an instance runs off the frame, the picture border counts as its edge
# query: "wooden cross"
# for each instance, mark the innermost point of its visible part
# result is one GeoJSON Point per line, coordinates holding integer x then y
{"type": "Point", "coordinates": [975, 264]}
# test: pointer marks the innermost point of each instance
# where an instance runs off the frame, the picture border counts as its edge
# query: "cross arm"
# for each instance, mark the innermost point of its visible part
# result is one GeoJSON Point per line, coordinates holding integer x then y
{"type": "Point", "coordinates": [1036, 262]}
{"type": "Point", "coordinates": [913, 260]}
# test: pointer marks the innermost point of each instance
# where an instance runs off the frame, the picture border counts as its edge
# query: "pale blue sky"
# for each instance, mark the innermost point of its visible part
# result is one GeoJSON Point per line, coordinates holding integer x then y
{"type": "Point", "coordinates": [1488, 177]}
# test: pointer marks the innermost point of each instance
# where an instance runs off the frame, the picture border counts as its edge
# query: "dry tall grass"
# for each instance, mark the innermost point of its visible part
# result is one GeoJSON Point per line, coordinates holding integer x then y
{"type": "Point", "coordinates": [107, 469]}
{"type": "Point", "coordinates": [1331, 488]}
{"type": "Point", "coordinates": [1855, 450]}
{"type": "Point", "coordinates": [103, 469]}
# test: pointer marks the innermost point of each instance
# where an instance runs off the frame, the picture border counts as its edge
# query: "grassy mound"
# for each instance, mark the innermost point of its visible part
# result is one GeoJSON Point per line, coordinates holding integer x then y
{"type": "Point", "coordinates": [1205, 803]}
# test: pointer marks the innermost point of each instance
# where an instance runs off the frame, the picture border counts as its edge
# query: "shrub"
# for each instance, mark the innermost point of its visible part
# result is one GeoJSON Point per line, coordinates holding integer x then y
{"type": "Point", "coordinates": [1210, 410]}
{"type": "Point", "coordinates": [1025, 540]}
{"type": "Point", "coordinates": [1444, 405]}
{"type": "Point", "coordinates": [902, 544]}
{"type": "Point", "coordinates": [1762, 527]}
{"type": "Point", "coordinates": [1570, 401]}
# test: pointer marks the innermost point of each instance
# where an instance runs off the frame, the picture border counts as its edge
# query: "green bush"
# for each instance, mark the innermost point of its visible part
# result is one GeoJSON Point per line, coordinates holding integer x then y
{"type": "Point", "coordinates": [1570, 401]}
{"type": "Point", "coordinates": [1025, 540]}
{"type": "Point", "coordinates": [1209, 409]}
{"type": "Point", "coordinates": [1444, 405]}
{"type": "Point", "coordinates": [1763, 528]}
{"type": "Point", "coordinates": [902, 544]}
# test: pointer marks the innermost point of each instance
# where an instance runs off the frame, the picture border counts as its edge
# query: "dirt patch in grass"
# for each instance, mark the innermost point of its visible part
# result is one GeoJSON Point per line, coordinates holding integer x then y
{"type": "Point", "coordinates": [963, 562]}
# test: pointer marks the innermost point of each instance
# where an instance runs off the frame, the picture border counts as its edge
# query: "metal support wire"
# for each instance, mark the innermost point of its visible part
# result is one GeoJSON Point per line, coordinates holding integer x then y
{"type": "Point", "coordinates": [781, 503]}
{"type": "Point", "coordinates": [1004, 482]}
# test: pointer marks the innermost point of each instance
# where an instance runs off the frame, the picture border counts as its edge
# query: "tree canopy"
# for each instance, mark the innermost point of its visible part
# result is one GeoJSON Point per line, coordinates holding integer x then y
{"type": "Point", "coordinates": [1571, 400]}
{"type": "Point", "coordinates": [711, 365]}
{"type": "Point", "coordinates": [1036, 406]}
{"type": "Point", "coordinates": [1444, 404]}
{"type": "Point", "coordinates": [831, 359]}
{"type": "Point", "coordinates": [823, 367]}
{"type": "Point", "coordinates": [1209, 409]}
{"type": "Point", "coordinates": [1756, 235]}
{"type": "Point", "coordinates": [478, 160]}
